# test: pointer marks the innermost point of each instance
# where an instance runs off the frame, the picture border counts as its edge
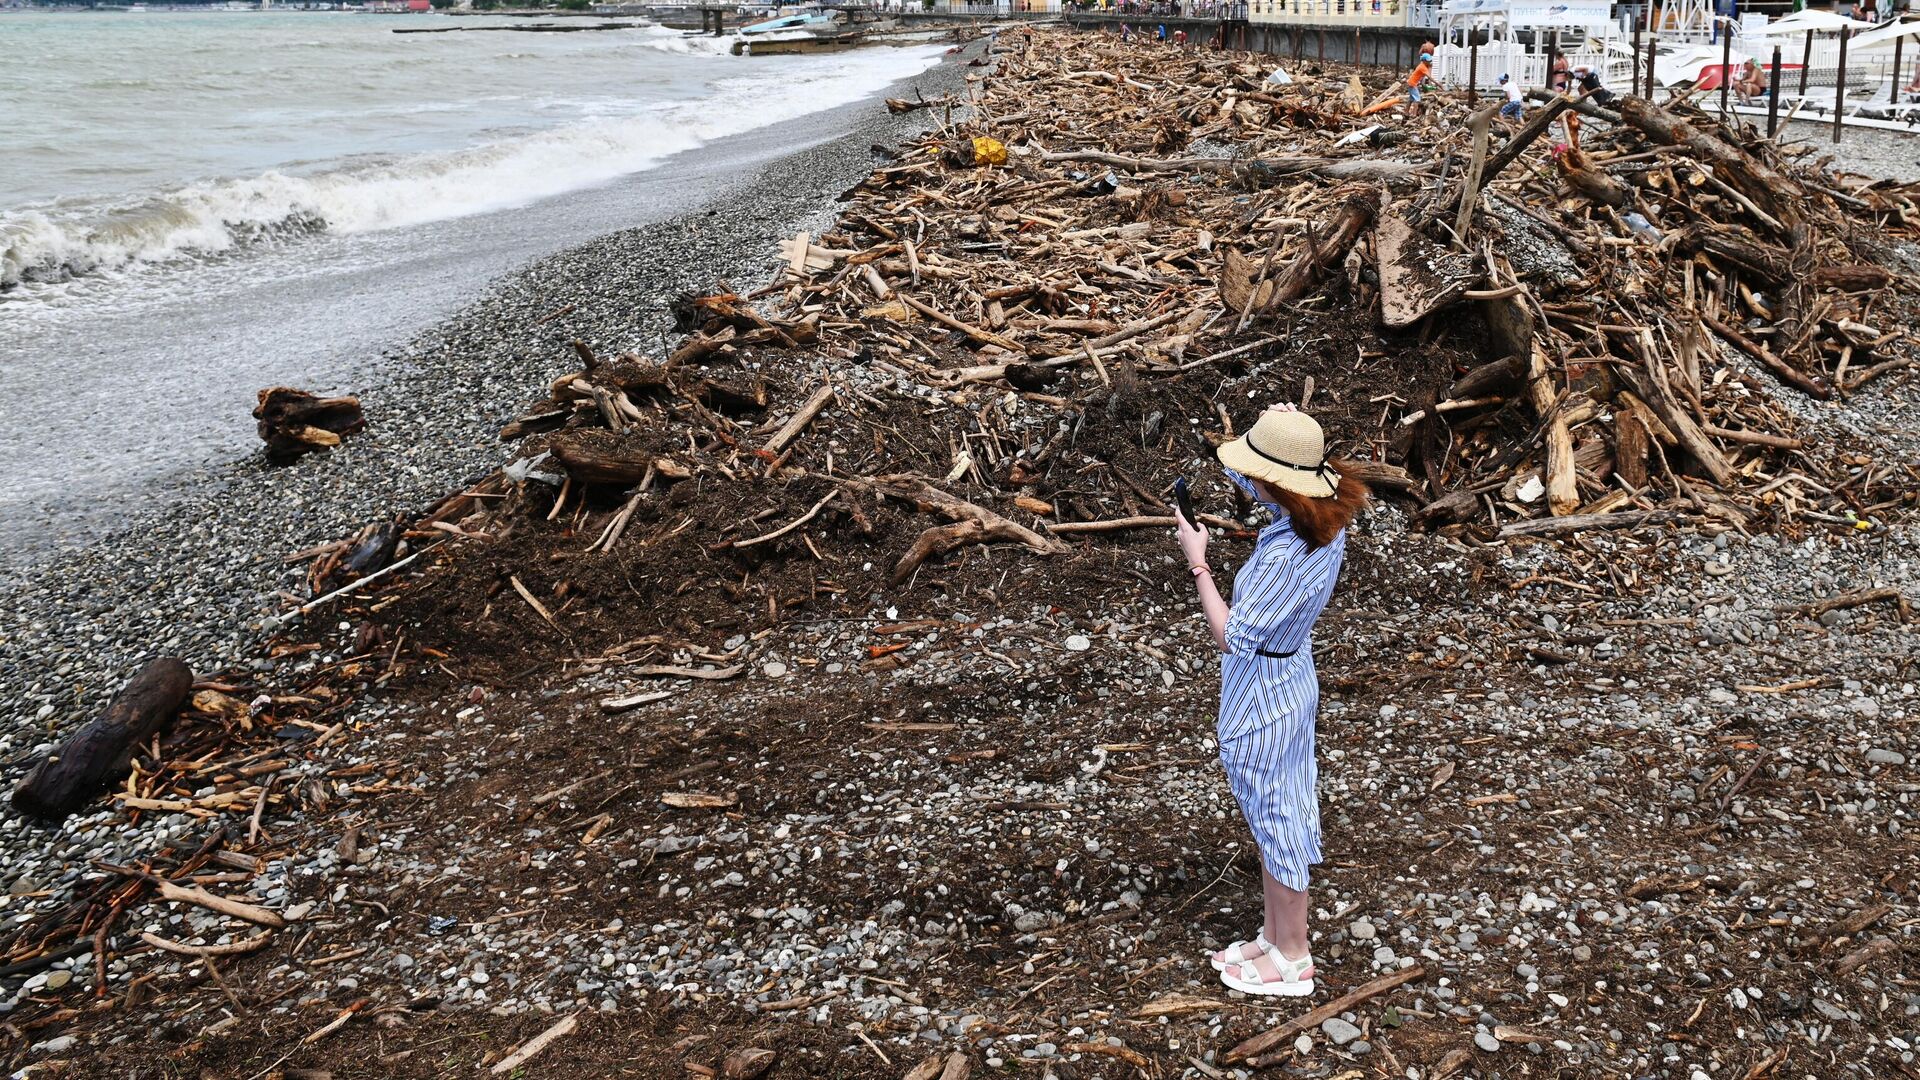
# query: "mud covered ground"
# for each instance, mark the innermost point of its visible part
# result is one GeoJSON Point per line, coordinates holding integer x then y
{"type": "Point", "coordinates": [1616, 837]}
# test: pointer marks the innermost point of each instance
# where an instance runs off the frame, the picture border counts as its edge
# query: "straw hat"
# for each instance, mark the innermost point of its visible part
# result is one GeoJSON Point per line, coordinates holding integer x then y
{"type": "Point", "coordinates": [1287, 450]}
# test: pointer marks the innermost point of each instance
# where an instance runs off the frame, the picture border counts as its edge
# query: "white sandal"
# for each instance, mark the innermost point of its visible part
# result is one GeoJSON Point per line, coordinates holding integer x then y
{"type": "Point", "coordinates": [1259, 942]}
{"type": "Point", "coordinates": [1295, 977]}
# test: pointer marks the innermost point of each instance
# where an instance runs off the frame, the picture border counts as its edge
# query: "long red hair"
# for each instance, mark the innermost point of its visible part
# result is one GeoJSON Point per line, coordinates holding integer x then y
{"type": "Point", "coordinates": [1318, 521]}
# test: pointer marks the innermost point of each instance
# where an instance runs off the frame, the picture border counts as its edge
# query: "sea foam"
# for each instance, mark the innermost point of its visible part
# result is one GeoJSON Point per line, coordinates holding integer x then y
{"type": "Point", "coordinates": [54, 243]}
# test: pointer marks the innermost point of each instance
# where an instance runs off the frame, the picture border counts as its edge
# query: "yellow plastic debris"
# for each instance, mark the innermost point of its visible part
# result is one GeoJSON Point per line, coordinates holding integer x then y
{"type": "Point", "coordinates": [989, 151]}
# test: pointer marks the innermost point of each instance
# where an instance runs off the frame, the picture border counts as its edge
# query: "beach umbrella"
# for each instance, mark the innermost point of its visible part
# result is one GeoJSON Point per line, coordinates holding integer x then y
{"type": "Point", "coordinates": [1692, 64]}
{"type": "Point", "coordinates": [1802, 21]}
{"type": "Point", "coordinates": [1882, 37]}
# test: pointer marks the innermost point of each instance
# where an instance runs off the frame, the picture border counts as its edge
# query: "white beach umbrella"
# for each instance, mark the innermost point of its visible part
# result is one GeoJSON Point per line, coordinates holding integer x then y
{"type": "Point", "coordinates": [1687, 64]}
{"type": "Point", "coordinates": [1884, 36]}
{"type": "Point", "coordinates": [1802, 21]}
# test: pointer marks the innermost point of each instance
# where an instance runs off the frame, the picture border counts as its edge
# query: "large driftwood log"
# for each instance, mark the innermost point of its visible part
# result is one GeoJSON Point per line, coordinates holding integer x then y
{"type": "Point", "coordinates": [1478, 123]}
{"type": "Point", "coordinates": [590, 466]}
{"type": "Point", "coordinates": [1493, 379]}
{"type": "Point", "coordinates": [1353, 219]}
{"type": "Point", "coordinates": [914, 489]}
{"type": "Point", "coordinates": [1736, 248]}
{"type": "Point", "coordinates": [1563, 494]}
{"type": "Point", "coordinates": [1770, 265]}
{"type": "Point", "coordinates": [1852, 277]}
{"type": "Point", "coordinates": [294, 422]}
{"type": "Point", "coordinates": [1582, 177]}
{"type": "Point", "coordinates": [1517, 145]}
{"type": "Point", "coordinates": [971, 523]}
{"type": "Point", "coordinates": [1678, 420]}
{"type": "Point", "coordinates": [1780, 197]}
{"type": "Point", "coordinates": [1792, 315]}
{"type": "Point", "coordinates": [1583, 105]}
{"type": "Point", "coordinates": [1633, 439]}
{"type": "Point", "coordinates": [938, 540]}
{"type": "Point", "coordinates": [99, 753]}
{"type": "Point", "coordinates": [1510, 330]}
{"type": "Point", "coordinates": [588, 463]}
{"type": "Point", "coordinates": [1625, 519]}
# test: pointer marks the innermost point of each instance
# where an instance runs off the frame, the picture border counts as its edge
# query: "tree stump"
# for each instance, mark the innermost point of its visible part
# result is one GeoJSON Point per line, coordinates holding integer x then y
{"type": "Point", "coordinates": [294, 422]}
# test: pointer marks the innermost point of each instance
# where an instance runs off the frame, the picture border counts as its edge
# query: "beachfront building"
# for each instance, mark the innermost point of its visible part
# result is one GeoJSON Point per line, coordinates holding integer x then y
{"type": "Point", "coordinates": [1333, 13]}
{"type": "Point", "coordinates": [986, 7]}
{"type": "Point", "coordinates": [982, 8]}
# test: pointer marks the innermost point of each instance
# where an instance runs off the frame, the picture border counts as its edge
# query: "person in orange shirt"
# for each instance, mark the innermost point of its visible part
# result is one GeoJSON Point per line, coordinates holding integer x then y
{"type": "Point", "coordinates": [1420, 72]}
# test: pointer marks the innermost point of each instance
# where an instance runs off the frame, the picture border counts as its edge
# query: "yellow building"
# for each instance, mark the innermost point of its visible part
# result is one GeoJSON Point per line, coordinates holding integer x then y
{"type": "Point", "coordinates": [1331, 13]}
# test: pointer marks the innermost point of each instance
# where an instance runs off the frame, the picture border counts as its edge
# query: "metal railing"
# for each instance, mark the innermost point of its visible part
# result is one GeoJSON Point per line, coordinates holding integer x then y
{"type": "Point", "coordinates": [1452, 63]}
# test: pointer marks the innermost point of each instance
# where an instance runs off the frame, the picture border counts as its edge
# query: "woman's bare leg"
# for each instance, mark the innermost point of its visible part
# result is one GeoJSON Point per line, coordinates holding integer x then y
{"type": "Point", "coordinates": [1286, 926]}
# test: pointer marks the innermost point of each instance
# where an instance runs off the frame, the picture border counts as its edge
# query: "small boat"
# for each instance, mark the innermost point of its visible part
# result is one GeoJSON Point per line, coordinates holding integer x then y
{"type": "Point", "coordinates": [810, 30]}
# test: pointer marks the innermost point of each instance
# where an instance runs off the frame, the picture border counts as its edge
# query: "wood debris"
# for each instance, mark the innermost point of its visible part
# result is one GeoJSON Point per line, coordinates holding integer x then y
{"type": "Point", "coordinates": [1164, 220]}
{"type": "Point", "coordinates": [294, 423]}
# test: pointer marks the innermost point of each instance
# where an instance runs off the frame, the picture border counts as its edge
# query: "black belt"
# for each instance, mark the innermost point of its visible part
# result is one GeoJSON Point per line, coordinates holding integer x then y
{"type": "Point", "coordinates": [1271, 655]}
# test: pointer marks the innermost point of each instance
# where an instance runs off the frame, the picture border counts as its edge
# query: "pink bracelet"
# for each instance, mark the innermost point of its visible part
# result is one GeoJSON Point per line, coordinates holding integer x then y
{"type": "Point", "coordinates": [1198, 570]}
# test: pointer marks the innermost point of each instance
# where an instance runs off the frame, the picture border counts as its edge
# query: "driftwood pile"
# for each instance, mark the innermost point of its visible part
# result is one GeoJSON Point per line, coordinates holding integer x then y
{"type": "Point", "coordinates": [1620, 317]}
{"type": "Point", "coordinates": [1028, 354]}
{"type": "Point", "coordinates": [1516, 335]}
{"type": "Point", "coordinates": [1692, 242]}
{"type": "Point", "coordinates": [171, 744]}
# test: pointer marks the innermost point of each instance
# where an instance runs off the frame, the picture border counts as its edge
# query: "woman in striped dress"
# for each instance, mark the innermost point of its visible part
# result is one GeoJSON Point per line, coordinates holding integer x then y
{"type": "Point", "coordinates": [1269, 693]}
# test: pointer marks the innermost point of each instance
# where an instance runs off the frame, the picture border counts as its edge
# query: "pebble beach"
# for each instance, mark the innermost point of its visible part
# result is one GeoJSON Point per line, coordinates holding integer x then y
{"type": "Point", "coordinates": [198, 570]}
{"type": "Point", "coordinates": [1009, 849]}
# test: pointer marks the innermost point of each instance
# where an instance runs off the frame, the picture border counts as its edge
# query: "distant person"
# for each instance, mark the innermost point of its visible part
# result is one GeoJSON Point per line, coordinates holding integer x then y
{"type": "Point", "coordinates": [1515, 106]}
{"type": "Point", "coordinates": [1589, 82]}
{"type": "Point", "coordinates": [1415, 80]}
{"type": "Point", "coordinates": [1751, 82]}
{"type": "Point", "coordinates": [1560, 79]}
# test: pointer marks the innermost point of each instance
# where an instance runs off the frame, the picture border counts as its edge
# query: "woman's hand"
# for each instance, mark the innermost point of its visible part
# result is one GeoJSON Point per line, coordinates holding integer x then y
{"type": "Point", "coordinates": [1284, 406]}
{"type": "Point", "coordinates": [1193, 539]}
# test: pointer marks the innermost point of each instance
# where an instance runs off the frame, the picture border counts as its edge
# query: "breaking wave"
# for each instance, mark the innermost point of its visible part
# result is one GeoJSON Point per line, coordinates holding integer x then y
{"type": "Point", "coordinates": [682, 43]}
{"type": "Point", "coordinates": [56, 243]}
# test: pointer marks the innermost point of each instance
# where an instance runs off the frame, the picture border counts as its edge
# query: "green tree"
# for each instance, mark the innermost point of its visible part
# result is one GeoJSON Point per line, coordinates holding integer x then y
{"type": "Point", "coordinates": [575, 5]}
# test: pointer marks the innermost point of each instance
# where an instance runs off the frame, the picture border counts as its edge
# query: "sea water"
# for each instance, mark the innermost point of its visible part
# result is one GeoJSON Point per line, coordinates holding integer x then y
{"type": "Point", "coordinates": [194, 205]}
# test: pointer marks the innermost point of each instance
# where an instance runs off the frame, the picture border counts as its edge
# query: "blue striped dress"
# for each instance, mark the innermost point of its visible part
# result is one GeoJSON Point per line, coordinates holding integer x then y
{"type": "Point", "coordinates": [1268, 704]}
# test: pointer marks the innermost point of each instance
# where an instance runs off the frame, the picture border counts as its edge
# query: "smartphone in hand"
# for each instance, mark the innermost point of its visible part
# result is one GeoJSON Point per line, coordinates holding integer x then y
{"type": "Point", "coordinates": [1184, 499]}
